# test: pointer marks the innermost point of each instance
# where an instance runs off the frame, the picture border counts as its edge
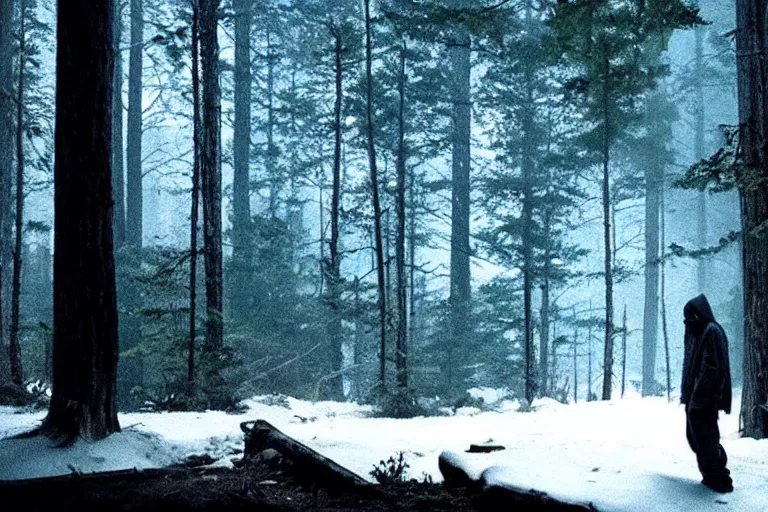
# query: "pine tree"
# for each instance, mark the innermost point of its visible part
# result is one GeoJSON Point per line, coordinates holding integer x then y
{"type": "Point", "coordinates": [85, 350]}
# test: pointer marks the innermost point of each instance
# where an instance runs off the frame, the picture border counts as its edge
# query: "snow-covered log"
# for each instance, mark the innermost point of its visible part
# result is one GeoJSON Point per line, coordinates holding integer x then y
{"type": "Point", "coordinates": [494, 494]}
{"type": "Point", "coordinates": [260, 436]}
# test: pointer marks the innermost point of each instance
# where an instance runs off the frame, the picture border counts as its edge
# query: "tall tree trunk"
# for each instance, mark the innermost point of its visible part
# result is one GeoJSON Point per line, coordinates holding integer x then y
{"type": "Point", "coordinates": [753, 120]}
{"type": "Point", "coordinates": [335, 387]}
{"type": "Point", "coordinates": [6, 148]}
{"type": "Point", "coordinates": [664, 329]}
{"type": "Point", "coordinates": [242, 252]}
{"type": "Point", "coordinates": [699, 113]}
{"type": "Point", "coordinates": [210, 173]}
{"type": "Point", "coordinates": [134, 199]}
{"type": "Point", "coordinates": [412, 256]}
{"type": "Point", "coordinates": [17, 369]}
{"type": "Point", "coordinates": [575, 346]}
{"type": "Point", "coordinates": [118, 184]}
{"type": "Point", "coordinates": [589, 355]}
{"type": "Point", "coordinates": [624, 335]}
{"type": "Point", "coordinates": [131, 371]}
{"type": "Point", "coordinates": [85, 349]}
{"type": "Point", "coordinates": [608, 355]}
{"type": "Point", "coordinates": [653, 183]}
{"type": "Point", "coordinates": [527, 148]}
{"type": "Point", "coordinates": [193, 224]}
{"type": "Point", "coordinates": [376, 203]}
{"type": "Point", "coordinates": [402, 285]}
{"type": "Point", "coordinates": [460, 293]}
{"type": "Point", "coordinates": [544, 333]}
{"type": "Point", "coordinates": [274, 179]}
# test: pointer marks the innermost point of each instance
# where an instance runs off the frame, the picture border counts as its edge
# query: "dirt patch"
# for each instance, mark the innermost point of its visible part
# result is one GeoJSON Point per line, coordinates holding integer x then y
{"type": "Point", "coordinates": [254, 487]}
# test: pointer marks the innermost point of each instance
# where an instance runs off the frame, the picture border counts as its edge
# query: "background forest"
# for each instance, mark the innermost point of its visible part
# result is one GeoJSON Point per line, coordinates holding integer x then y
{"type": "Point", "coordinates": [399, 202]}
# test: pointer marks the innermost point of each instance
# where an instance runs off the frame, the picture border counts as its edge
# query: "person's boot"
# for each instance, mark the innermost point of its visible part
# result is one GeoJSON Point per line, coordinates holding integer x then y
{"type": "Point", "coordinates": [720, 484]}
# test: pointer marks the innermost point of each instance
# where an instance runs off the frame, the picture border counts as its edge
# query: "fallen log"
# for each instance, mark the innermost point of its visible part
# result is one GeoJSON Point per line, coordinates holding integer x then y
{"type": "Point", "coordinates": [485, 448]}
{"type": "Point", "coordinates": [489, 495]}
{"type": "Point", "coordinates": [308, 464]}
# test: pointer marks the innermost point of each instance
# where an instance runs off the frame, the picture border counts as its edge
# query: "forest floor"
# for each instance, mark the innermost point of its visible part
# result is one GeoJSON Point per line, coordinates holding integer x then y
{"type": "Point", "coordinates": [627, 455]}
{"type": "Point", "coordinates": [254, 487]}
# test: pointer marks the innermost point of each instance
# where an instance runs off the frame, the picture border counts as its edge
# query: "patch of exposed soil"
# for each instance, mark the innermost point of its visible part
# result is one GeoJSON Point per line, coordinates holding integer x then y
{"type": "Point", "coordinates": [253, 487]}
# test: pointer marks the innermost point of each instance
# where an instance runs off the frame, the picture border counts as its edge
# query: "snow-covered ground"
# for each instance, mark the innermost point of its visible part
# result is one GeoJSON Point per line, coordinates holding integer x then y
{"type": "Point", "coordinates": [622, 455]}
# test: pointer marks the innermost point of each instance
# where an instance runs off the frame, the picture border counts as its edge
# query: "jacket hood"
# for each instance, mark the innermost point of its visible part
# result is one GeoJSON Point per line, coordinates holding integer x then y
{"type": "Point", "coordinates": [698, 309]}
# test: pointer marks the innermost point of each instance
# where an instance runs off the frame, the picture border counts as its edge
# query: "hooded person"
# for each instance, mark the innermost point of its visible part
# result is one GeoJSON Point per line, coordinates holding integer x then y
{"type": "Point", "coordinates": [706, 390]}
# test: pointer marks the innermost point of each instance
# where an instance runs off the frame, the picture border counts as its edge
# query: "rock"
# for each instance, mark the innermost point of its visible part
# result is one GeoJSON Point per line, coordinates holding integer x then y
{"type": "Point", "coordinates": [453, 474]}
{"type": "Point", "coordinates": [196, 461]}
{"type": "Point", "coordinates": [270, 457]}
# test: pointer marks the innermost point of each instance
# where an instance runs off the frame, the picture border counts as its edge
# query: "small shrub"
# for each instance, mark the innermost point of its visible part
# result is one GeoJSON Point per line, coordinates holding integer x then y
{"type": "Point", "coordinates": [467, 400]}
{"type": "Point", "coordinates": [401, 405]}
{"type": "Point", "coordinates": [392, 471]}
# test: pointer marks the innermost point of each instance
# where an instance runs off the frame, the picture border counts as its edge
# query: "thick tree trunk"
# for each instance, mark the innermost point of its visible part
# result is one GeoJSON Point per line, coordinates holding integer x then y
{"type": "Point", "coordinates": [134, 199]}
{"type": "Point", "coordinates": [753, 120]}
{"type": "Point", "coordinates": [460, 293]}
{"type": "Point", "coordinates": [402, 285]}
{"type": "Point", "coordinates": [242, 252]}
{"type": "Point", "coordinates": [378, 242]}
{"type": "Point", "coordinates": [6, 148]}
{"type": "Point", "coordinates": [131, 371]}
{"type": "Point", "coordinates": [118, 184]}
{"type": "Point", "coordinates": [653, 184]}
{"type": "Point", "coordinates": [335, 389]}
{"type": "Point", "coordinates": [210, 171]}
{"type": "Point", "coordinates": [194, 214]}
{"type": "Point", "coordinates": [85, 349]}
{"type": "Point", "coordinates": [17, 370]}
{"type": "Point", "coordinates": [527, 167]}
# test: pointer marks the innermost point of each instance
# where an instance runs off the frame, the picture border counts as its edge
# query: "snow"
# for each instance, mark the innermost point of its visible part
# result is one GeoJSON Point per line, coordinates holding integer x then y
{"type": "Point", "coordinates": [621, 455]}
{"type": "Point", "coordinates": [41, 457]}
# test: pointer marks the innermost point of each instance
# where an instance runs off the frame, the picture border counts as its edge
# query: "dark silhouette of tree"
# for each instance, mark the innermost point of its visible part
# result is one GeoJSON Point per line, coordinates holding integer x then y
{"type": "Point", "coordinates": [85, 348]}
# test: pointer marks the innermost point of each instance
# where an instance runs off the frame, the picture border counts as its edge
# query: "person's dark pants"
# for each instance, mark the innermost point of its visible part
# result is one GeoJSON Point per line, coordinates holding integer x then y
{"type": "Point", "coordinates": [704, 439]}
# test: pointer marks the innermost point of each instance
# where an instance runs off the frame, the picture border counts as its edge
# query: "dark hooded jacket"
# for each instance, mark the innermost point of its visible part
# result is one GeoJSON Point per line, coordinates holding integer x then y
{"type": "Point", "coordinates": [706, 367]}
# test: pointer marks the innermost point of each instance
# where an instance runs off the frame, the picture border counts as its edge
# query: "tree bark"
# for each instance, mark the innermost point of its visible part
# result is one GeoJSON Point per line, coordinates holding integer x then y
{"type": "Point", "coordinates": [608, 354]}
{"type": "Point", "coordinates": [6, 148]}
{"type": "Point", "coordinates": [210, 171]}
{"type": "Point", "coordinates": [307, 463]}
{"type": "Point", "coordinates": [653, 183]}
{"type": "Point", "coordinates": [335, 387]}
{"type": "Point", "coordinates": [118, 184]}
{"type": "Point", "coordinates": [194, 214]}
{"type": "Point", "coordinates": [85, 349]}
{"type": "Point", "coordinates": [575, 346]}
{"type": "Point", "coordinates": [270, 163]}
{"type": "Point", "coordinates": [376, 203]}
{"type": "Point", "coordinates": [753, 120]}
{"type": "Point", "coordinates": [527, 169]}
{"type": "Point", "coordinates": [460, 280]}
{"type": "Point", "coordinates": [624, 335]}
{"type": "Point", "coordinates": [17, 369]}
{"type": "Point", "coordinates": [699, 112]}
{"type": "Point", "coordinates": [663, 266]}
{"type": "Point", "coordinates": [402, 284]}
{"type": "Point", "coordinates": [134, 199]}
{"type": "Point", "coordinates": [242, 252]}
